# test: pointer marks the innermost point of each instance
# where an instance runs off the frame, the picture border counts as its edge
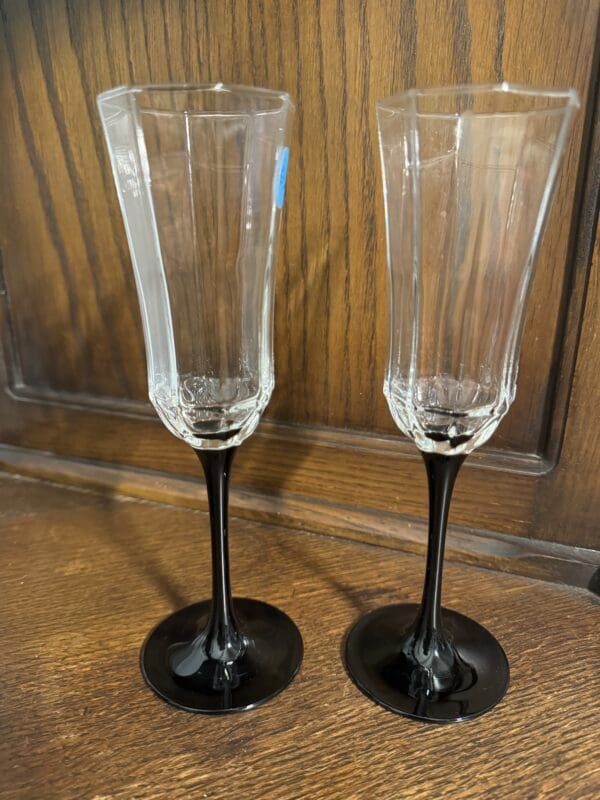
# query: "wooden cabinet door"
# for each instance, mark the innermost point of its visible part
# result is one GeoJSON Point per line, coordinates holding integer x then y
{"type": "Point", "coordinates": [74, 367]}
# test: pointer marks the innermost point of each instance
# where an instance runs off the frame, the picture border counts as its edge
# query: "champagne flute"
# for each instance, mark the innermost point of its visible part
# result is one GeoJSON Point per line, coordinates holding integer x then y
{"type": "Point", "coordinates": [468, 176]}
{"type": "Point", "coordinates": [200, 173]}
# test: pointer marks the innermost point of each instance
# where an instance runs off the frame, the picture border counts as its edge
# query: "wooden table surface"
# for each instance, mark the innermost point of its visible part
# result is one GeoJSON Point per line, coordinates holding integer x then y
{"type": "Point", "coordinates": [84, 577]}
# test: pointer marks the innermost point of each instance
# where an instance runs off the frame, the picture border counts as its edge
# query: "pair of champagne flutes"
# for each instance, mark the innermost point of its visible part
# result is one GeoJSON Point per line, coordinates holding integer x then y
{"type": "Point", "coordinates": [468, 174]}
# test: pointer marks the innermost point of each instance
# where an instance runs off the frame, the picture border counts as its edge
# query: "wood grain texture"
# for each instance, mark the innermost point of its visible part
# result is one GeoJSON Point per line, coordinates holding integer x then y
{"type": "Point", "coordinates": [85, 577]}
{"type": "Point", "coordinates": [533, 558]}
{"type": "Point", "coordinates": [336, 59]}
{"type": "Point", "coordinates": [71, 333]}
{"type": "Point", "coordinates": [575, 483]}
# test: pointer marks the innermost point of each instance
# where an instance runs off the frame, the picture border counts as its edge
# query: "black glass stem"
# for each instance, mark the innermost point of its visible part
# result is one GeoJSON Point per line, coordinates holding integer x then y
{"type": "Point", "coordinates": [224, 641]}
{"type": "Point", "coordinates": [221, 655]}
{"type": "Point", "coordinates": [441, 475]}
{"type": "Point", "coordinates": [220, 640]}
{"type": "Point", "coordinates": [426, 662]}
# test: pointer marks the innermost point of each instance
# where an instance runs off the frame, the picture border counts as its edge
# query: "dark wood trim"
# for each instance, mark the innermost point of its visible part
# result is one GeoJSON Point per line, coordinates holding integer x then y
{"type": "Point", "coordinates": [42, 395]}
{"type": "Point", "coordinates": [361, 441]}
{"type": "Point", "coordinates": [573, 566]}
{"type": "Point", "coordinates": [577, 273]}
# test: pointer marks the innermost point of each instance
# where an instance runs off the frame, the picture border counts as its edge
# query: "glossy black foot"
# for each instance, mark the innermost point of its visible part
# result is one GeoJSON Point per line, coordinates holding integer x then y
{"type": "Point", "coordinates": [270, 658]}
{"type": "Point", "coordinates": [455, 679]}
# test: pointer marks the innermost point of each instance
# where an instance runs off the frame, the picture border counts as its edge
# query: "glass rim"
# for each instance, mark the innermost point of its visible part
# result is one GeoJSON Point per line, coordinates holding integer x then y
{"type": "Point", "coordinates": [218, 87]}
{"type": "Point", "coordinates": [391, 103]}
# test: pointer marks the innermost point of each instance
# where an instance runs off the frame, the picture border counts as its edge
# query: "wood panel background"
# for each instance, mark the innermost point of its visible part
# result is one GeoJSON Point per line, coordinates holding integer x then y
{"type": "Point", "coordinates": [74, 367]}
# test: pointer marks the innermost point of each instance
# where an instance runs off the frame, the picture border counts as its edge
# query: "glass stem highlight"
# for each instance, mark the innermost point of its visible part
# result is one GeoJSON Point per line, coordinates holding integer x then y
{"type": "Point", "coordinates": [223, 640]}
{"type": "Point", "coordinates": [441, 475]}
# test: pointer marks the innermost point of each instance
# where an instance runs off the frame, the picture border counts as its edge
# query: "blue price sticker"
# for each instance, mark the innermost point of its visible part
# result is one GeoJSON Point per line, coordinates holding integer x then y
{"type": "Point", "coordinates": [281, 178]}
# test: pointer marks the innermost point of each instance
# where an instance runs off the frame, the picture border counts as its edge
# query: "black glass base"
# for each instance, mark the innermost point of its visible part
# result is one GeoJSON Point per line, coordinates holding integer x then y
{"type": "Point", "coordinates": [270, 659]}
{"type": "Point", "coordinates": [462, 676]}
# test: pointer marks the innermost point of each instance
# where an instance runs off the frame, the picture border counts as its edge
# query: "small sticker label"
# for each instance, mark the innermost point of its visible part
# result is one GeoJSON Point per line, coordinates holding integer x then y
{"type": "Point", "coordinates": [283, 165]}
